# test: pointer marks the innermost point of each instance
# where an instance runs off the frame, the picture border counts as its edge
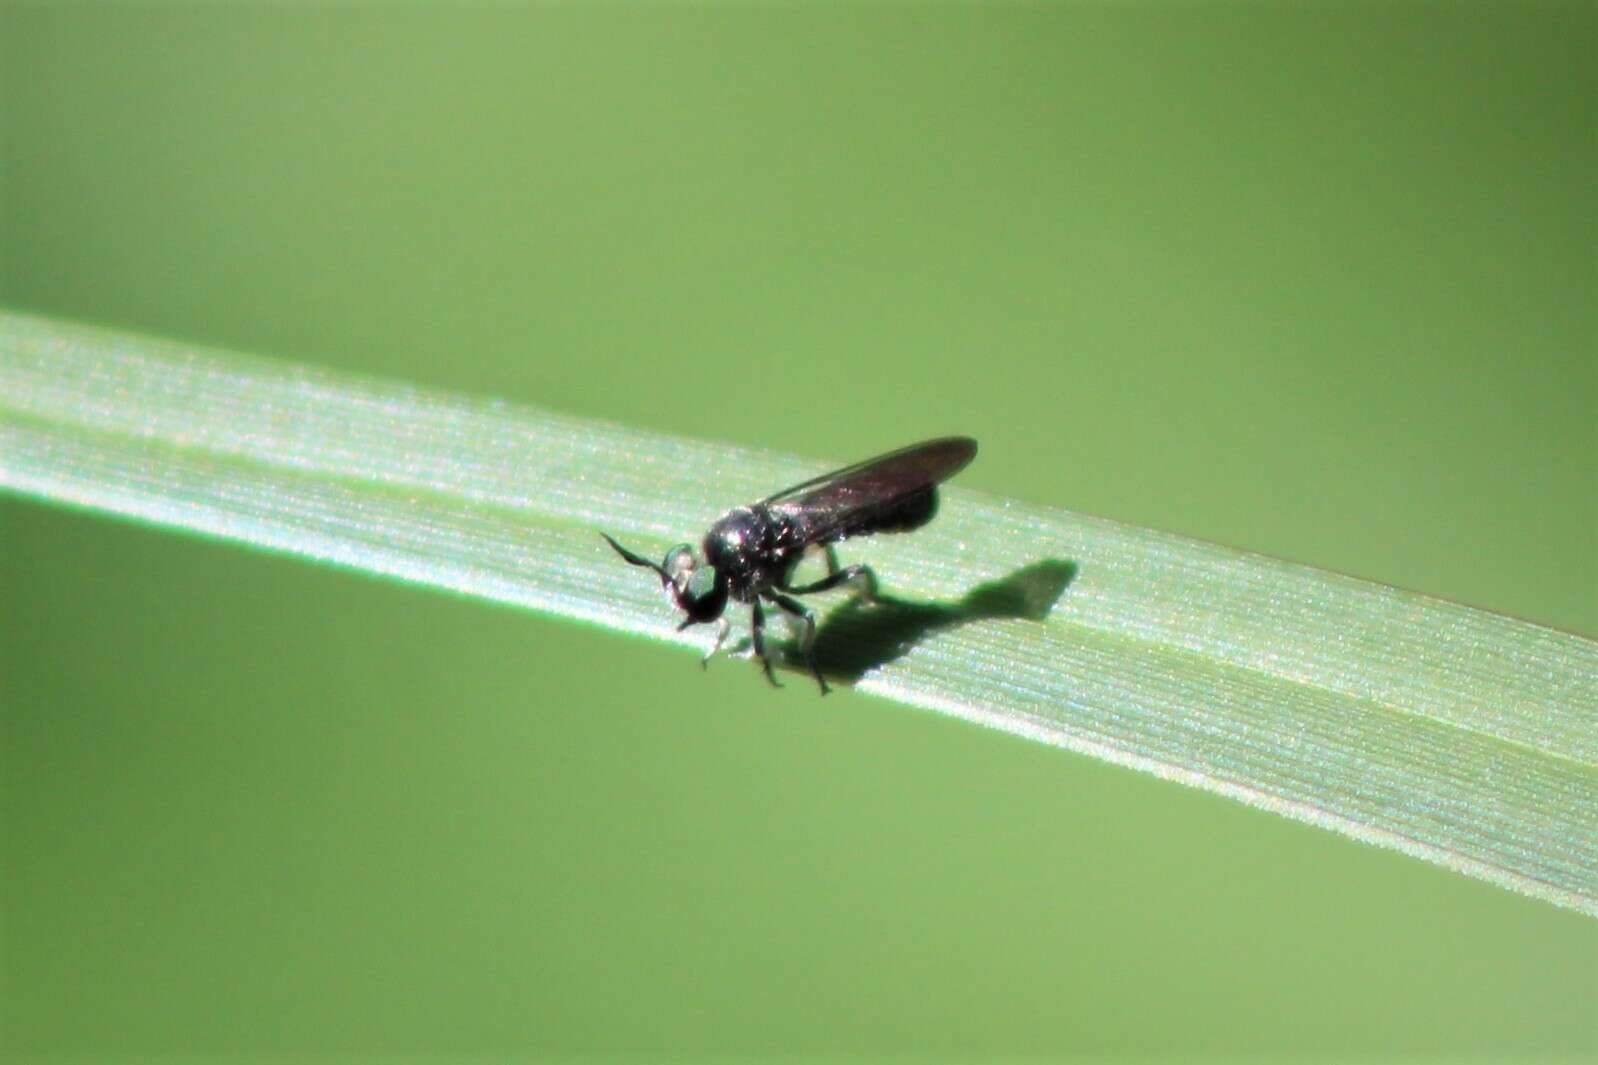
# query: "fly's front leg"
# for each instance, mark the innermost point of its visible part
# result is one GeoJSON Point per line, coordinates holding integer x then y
{"type": "Point", "coordinates": [862, 574]}
{"type": "Point", "coordinates": [808, 643]}
{"type": "Point", "coordinates": [760, 642]}
{"type": "Point", "coordinates": [722, 625]}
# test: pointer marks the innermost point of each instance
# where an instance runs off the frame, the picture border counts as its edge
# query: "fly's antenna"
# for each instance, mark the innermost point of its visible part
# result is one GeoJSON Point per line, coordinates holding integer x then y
{"type": "Point", "coordinates": [637, 560]}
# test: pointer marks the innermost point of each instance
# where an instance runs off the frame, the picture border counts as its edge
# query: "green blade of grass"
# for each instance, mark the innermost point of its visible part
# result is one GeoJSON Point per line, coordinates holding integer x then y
{"type": "Point", "coordinates": [1451, 734]}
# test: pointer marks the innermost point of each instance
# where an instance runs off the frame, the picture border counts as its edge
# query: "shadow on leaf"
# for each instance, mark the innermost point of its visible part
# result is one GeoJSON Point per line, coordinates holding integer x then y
{"type": "Point", "coordinates": [860, 636]}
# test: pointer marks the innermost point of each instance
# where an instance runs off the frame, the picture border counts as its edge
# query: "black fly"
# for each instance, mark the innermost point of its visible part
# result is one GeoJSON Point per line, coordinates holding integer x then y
{"type": "Point", "coordinates": [750, 552]}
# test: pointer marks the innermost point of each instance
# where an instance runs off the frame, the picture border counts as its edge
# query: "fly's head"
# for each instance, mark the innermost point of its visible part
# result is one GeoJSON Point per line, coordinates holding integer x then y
{"type": "Point", "coordinates": [697, 589]}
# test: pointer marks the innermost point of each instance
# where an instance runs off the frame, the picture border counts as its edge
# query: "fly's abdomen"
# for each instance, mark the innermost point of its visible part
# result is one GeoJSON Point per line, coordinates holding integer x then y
{"type": "Point", "coordinates": [900, 515]}
{"type": "Point", "coordinates": [912, 512]}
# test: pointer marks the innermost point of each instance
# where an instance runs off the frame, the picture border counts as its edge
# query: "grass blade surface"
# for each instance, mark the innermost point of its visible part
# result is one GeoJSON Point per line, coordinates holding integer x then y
{"type": "Point", "coordinates": [1454, 735]}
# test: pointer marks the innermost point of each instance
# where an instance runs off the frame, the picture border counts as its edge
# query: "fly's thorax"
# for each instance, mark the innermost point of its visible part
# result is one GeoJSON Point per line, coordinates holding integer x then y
{"type": "Point", "coordinates": [735, 536]}
{"type": "Point", "coordinates": [744, 544]}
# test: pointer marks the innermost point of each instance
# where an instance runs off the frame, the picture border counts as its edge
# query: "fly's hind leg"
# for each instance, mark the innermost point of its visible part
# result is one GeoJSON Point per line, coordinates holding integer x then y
{"type": "Point", "coordinates": [760, 642]}
{"type": "Point", "coordinates": [808, 643]}
{"type": "Point", "coordinates": [863, 575]}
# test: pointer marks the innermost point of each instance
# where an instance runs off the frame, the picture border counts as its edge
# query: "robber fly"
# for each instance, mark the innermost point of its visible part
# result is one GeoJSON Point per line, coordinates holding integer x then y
{"type": "Point", "coordinates": [750, 552]}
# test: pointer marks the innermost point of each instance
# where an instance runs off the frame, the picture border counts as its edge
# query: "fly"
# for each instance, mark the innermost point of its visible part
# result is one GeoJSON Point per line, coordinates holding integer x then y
{"type": "Point", "coordinates": [750, 552]}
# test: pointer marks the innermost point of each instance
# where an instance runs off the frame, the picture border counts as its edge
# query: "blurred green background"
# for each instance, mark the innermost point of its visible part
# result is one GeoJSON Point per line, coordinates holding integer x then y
{"type": "Point", "coordinates": [1314, 281]}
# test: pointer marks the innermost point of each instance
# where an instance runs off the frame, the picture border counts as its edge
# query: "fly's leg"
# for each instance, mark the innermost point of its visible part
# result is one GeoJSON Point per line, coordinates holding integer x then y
{"type": "Point", "coordinates": [862, 574]}
{"type": "Point", "coordinates": [800, 611]}
{"type": "Point", "coordinates": [760, 642]}
{"type": "Point", "coordinates": [722, 625]}
{"type": "Point", "coordinates": [829, 555]}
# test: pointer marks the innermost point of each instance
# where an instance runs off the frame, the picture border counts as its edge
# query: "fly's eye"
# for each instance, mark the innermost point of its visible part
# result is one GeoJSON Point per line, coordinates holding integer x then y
{"type": "Point", "coordinates": [680, 567]}
{"type": "Point", "coordinates": [701, 582]}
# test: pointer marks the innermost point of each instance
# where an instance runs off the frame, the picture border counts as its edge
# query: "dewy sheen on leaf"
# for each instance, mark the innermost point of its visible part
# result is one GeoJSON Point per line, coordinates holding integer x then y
{"type": "Point", "coordinates": [1455, 735]}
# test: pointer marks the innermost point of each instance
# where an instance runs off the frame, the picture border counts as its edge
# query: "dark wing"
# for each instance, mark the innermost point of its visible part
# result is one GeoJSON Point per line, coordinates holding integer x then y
{"type": "Point", "coordinates": [888, 493]}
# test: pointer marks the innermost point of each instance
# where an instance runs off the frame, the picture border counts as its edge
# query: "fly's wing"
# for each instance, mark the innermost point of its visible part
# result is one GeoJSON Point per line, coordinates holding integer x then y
{"type": "Point", "coordinates": [892, 491]}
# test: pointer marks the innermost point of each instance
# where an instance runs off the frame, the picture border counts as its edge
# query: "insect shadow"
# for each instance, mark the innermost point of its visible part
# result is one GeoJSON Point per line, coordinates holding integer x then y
{"type": "Point", "coordinates": [859, 636]}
